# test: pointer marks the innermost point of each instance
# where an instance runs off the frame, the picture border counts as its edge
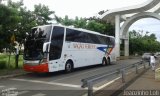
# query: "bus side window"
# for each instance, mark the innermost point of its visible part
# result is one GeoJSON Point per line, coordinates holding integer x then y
{"type": "Point", "coordinates": [94, 39]}
{"type": "Point", "coordinates": [87, 38]}
{"type": "Point", "coordinates": [56, 43]}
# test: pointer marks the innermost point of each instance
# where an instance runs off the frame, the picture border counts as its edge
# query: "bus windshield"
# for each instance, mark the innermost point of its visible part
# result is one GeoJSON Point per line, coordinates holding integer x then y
{"type": "Point", "coordinates": [33, 47]}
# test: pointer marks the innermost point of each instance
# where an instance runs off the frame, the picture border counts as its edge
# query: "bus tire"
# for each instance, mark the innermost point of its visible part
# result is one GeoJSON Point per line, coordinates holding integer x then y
{"type": "Point", "coordinates": [104, 62]}
{"type": "Point", "coordinates": [69, 66]}
{"type": "Point", "coordinates": [108, 61]}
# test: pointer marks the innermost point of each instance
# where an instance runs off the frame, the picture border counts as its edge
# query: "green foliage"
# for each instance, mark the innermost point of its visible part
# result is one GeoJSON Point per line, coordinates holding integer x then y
{"type": "Point", "coordinates": [140, 43]}
{"type": "Point", "coordinates": [88, 23]}
{"type": "Point", "coordinates": [4, 61]}
{"type": "Point", "coordinates": [3, 64]}
{"type": "Point", "coordinates": [96, 26]}
{"type": "Point", "coordinates": [25, 25]}
{"type": "Point", "coordinates": [16, 19]}
{"type": "Point", "coordinates": [42, 14]}
{"type": "Point", "coordinates": [66, 21]}
{"type": "Point", "coordinates": [80, 23]}
{"type": "Point", "coordinates": [9, 18]}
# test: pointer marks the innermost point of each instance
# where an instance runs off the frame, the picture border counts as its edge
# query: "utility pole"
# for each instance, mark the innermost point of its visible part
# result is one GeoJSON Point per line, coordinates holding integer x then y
{"type": "Point", "coordinates": [16, 57]}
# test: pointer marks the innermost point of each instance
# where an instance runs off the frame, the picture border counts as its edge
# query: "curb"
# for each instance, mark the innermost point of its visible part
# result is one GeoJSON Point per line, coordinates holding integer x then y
{"type": "Point", "coordinates": [10, 76]}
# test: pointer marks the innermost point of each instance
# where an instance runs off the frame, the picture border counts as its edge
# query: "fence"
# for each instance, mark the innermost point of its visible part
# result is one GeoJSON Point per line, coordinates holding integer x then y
{"type": "Point", "coordinates": [90, 81]}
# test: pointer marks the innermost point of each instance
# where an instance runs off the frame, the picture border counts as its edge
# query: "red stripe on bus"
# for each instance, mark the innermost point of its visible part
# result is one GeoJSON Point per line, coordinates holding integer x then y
{"type": "Point", "coordinates": [36, 68]}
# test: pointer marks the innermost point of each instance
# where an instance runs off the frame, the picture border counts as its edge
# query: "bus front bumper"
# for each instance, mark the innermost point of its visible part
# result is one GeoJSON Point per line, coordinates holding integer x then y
{"type": "Point", "coordinates": [41, 68]}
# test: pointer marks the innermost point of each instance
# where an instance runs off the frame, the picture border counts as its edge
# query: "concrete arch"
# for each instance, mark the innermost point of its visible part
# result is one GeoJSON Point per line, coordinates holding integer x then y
{"type": "Point", "coordinates": [134, 18]}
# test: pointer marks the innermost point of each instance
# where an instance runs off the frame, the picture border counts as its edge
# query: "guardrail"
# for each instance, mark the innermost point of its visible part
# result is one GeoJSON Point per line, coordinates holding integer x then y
{"type": "Point", "coordinates": [90, 81]}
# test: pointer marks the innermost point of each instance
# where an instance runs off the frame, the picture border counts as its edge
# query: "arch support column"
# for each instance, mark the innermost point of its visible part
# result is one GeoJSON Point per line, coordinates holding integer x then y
{"type": "Point", "coordinates": [126, 47]}
{"type": "Point", "coordinates": [117, 36]}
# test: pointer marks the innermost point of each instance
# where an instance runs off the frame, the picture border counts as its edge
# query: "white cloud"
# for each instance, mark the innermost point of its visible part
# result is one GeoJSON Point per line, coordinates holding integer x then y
{"type": "Point", "coordinates": [81, 8]}
{"type": "Point", "coordinates": [149, 24]}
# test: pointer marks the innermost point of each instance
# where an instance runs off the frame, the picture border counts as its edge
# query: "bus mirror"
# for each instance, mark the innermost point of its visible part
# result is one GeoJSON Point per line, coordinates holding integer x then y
{"type": "Point", "coordinates": [45, 46]}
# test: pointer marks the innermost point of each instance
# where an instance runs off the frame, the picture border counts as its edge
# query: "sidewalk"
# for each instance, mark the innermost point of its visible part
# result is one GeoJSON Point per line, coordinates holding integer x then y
{"type": "Point", "coordinates": [145, 85]}
{"type": "Point", "coordinates": [144, 82]}
{"type": "Point", "coordinates": [7, 73]}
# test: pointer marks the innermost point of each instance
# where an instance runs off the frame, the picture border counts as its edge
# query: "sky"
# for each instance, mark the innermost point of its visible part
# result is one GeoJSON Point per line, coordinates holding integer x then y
{"type": "Point", "coordinates": [89, 8]}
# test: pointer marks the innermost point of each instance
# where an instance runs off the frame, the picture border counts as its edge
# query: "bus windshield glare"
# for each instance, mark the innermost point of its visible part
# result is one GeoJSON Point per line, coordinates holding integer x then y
{"type": "Point", "coordinates": [33, 47]}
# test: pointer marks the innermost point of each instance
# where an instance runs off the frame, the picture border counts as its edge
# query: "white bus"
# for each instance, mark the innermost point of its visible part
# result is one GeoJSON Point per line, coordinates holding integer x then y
{"type": "Point", "coordinates": [51, 48]}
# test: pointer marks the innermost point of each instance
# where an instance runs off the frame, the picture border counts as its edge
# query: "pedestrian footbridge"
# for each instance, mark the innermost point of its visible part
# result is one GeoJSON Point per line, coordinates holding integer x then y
{"type": "Point", "coordinates": [129, 15]}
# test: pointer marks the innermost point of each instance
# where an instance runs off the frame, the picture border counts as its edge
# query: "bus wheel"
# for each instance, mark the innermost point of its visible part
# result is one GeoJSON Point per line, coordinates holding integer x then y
{"type": "Point", "coordinates": [108, 61]}
{"type": "Point", "coordinates": [69, 67]}
{"type": "Point", "coordinates": [104, 62]}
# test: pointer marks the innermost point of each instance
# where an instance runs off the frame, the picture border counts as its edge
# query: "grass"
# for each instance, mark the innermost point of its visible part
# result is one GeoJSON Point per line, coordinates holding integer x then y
{"type": "Point", "coordinates": [6, 64]}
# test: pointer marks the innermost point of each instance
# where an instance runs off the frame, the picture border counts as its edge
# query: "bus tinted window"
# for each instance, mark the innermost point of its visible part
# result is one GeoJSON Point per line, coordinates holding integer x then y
{"type": "Point", "coordinates": [73, 35]}
{"type": "Point", "coordinates": [56, 43]}
{"type": "Point", "coordinates": [70, 35]}
{"type": "Point", "coordinates": [105, 40]}
{"type": "Point", "coordinates": [112, 41]}
{"type": "Point", "coordinates": [84, 37]}
{"type": "Point", "coordinates": [108, 40]}
{"type": "Point", "coordinates": [87, 38]}
{"type": "Point", "coordinates": [102, 39]}
{"type": "Point", "coordinates": [79, 36]}
{"type": "Point", "coordinates": [94, 39]}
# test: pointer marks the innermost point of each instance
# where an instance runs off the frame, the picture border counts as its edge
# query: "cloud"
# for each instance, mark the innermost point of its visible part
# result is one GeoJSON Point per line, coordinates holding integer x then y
{"type": "Point", "coordinates": [148, 24]}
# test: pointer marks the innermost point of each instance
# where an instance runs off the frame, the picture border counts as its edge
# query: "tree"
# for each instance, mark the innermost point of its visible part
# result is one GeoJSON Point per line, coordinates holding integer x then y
{"type": "Point", "coordinates": [80, 23]}
{"type": "Point", "coordinates": [9, 18]}
{"type": "Point", "coordinates": [42, 14]}
{"type": "Point", "coordinates": [17, 20]}
{"type": "Point", "coordinates": [88, 23]}
{"type": "Point", "coordinates": [140, 44]}
{"type": "Point", "coordinates": [27, 22]}
{"type": "Point", "coordinates": [96, 26]}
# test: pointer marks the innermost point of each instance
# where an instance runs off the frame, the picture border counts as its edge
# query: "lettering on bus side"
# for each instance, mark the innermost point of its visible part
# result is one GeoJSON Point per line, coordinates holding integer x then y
{"type": "Point", "coordinates": [83, 46]}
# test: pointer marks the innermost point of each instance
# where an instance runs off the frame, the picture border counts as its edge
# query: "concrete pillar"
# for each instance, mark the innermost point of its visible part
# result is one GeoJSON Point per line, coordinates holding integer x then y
{"type": "Point", "coordinates": [117, 36]}
{"type": "Point", "coordinates": [126, 47]}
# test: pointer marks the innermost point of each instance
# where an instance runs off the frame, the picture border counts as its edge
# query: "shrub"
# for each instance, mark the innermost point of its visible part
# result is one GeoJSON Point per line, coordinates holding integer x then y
{"type": "Point", "coordinates": [3, 64]}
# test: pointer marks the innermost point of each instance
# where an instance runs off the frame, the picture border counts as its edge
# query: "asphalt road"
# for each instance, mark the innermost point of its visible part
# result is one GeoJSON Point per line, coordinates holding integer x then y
{"type": "Point", "coordinates": [57, 83]}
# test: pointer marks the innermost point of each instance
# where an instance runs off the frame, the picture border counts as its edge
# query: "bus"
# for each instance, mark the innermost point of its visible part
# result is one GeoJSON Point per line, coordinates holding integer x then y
{"type": "Point", "coordinates": [51, 48]}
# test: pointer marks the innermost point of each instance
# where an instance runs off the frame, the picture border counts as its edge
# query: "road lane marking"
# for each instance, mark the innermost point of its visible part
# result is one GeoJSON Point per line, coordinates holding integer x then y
{"type": "Point", "coordinates": [50, 83]}
{"type": "Point", "coordinates": [22, 92]}
{"type": "Point", "coordinates": [2, 86]}
{"type": "Point", "coordinates": [39, 94]}
{"type": "Point", "coordinates": [103, 86]}
{"type": "Point", "coordinates": [78, 74]}
{"type": "Point", "coordinates": [108, 83]}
